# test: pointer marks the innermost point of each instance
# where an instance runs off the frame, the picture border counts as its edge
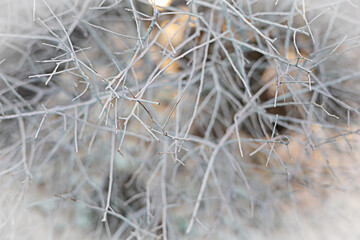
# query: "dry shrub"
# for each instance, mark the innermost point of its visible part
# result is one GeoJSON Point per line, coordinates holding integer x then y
{"type": "Point", "coordinates": [206, 119]}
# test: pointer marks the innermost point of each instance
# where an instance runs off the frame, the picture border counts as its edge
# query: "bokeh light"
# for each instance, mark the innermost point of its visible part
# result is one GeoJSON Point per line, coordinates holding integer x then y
{"type": "Point", "coordinates": [160, 3]}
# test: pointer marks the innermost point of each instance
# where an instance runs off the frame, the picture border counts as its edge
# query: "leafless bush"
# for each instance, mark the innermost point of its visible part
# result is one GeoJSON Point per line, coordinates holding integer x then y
{"type": "Point", "coordinates": [193, 120]}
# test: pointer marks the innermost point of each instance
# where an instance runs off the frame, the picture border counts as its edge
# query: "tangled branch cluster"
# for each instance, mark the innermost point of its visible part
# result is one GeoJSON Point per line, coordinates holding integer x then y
{"type": "Point", "coordinates": [192, 120]}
